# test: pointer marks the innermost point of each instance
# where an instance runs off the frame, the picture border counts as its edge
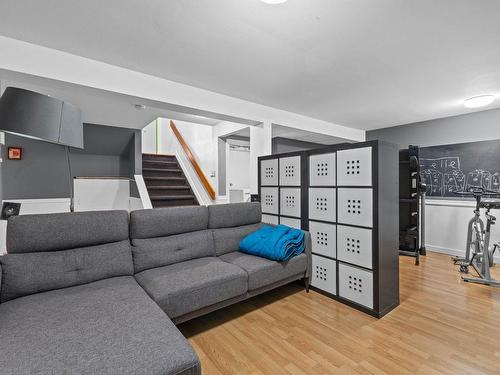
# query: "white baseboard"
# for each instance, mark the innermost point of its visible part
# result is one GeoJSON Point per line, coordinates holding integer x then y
{"type": "Point", "coordinates": [454, 252]}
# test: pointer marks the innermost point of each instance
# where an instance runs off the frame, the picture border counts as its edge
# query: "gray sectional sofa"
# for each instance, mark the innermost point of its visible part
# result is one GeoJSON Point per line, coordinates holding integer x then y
{"type": "Point", "coordinates": [97, 293]}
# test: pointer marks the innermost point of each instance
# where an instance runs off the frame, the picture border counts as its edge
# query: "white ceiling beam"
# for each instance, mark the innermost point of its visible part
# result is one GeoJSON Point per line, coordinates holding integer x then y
{"type": "Point", "coordinates": [40, 61]}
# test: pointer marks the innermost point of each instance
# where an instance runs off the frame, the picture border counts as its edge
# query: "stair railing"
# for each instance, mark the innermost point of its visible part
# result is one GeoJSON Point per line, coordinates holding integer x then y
{"type": "Point", "coordinates": [203, 178]}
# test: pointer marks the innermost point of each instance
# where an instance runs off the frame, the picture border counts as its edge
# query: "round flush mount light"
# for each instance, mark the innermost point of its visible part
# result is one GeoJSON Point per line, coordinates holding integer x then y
{"type": "Point", "coordinates": [274, 1]}
{"type": "Point", "coordinates": [479, 101]}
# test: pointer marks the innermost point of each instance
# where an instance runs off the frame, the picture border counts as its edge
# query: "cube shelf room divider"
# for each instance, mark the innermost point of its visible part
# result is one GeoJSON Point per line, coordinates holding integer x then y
{"type": "Point", "coordinates": [346, 196]}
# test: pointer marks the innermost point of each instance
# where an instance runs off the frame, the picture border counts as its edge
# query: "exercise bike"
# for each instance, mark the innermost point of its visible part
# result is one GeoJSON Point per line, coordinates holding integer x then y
{"type": "Point", "coordinates": [477, 252]}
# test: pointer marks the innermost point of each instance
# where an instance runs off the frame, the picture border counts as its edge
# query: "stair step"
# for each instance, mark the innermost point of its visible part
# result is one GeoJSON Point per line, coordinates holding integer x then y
{"type": "Point", "coordinates": [173, 170]}
{"type": "Point", "coordinates": [171, 197]}
{"type": "Point", "coordinates": [170, 187]}
{"type": "Point", "coordinates": [156, 163]}
{"type": "Point", "coordinates": [164, 178]}
{"type": "Point", "coordinates": [161, 204]}
{"type": "Point", "coordinates": [156, 157]}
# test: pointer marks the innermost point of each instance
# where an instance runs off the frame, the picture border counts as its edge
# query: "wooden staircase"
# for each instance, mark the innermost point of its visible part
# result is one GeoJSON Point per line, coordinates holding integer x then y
{"type": "Point", "coordinates": [166, 183]}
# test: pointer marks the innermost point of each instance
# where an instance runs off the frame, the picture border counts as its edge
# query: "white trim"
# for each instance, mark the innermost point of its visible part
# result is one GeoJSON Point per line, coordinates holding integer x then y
{"type": "Point", "coordinates": [455, 252]}
{"type": "Point", "coordinates": [143, 191]}
{"type": "Point", "coordinates": [135, 204]}
{"type": "Point", "coordinates": [449, 202]}
{"type": "Point", "coordinates": [42, 206]}
{"type": "Point", "coordinates": [195, 184]}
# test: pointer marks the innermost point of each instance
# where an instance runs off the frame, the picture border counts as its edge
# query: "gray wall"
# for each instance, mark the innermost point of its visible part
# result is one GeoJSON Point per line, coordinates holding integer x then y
{"type": "Point", "coordinates": [43, 170]}
{"type": "Point", "coordinates": [477, 126]}
{"type": "Point", "coordinates": [282, 145]}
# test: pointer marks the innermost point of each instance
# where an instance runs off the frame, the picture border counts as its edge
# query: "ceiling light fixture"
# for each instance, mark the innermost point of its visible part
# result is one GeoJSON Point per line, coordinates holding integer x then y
{"type": "Point", "coordinates": [274, 1]}
{"type": "Point", "coordinates": [140, 107]}
{"type": "Point", "coordinates": [479, 101]}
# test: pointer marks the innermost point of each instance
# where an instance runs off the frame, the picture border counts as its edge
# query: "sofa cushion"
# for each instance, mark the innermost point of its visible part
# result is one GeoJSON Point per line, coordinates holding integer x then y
{"type": "Point", "coordinates": [233, 214]}
{"type": "Point", "coordinates": [162, 222]}
{"type": "Point", "coordinates": [189, 286]}
{"type": "Point", "coordinates": [162, 251]}
{"type": "Point", "coordinates": [106, 327]}
{"type": "Point", "coordinates": [30, 273]}
{"type": "Point", "coordinates": [227, 240]}
{"type": "Point", "coordinates": [54, 232]}
{"type": "Point", "coordinates": [262, 271]}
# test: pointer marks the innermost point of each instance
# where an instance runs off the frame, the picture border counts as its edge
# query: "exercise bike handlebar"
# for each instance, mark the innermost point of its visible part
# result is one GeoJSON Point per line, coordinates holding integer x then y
{"type": "Point", "coordinates": [478, 192]}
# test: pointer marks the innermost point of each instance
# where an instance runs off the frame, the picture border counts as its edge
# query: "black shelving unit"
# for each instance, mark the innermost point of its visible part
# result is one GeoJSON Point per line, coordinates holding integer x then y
{"type": "Point", "coordinates": [349, 204]}
{"type": "Point", "coordinates": [411, 204]}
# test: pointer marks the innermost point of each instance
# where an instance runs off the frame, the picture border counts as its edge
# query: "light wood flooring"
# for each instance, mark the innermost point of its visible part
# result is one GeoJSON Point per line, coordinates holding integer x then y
{"type": "Point", "coordinates": [443, 326]}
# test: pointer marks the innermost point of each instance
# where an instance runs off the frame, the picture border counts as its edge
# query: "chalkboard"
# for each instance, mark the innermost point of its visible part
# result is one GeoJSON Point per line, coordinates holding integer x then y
{"type": "Point", "coordinates": [459, 167]}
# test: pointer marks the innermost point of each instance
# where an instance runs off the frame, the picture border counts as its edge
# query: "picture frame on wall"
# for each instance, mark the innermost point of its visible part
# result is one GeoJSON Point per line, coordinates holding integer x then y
{"type": "Point", "coordinates": [14, 153]}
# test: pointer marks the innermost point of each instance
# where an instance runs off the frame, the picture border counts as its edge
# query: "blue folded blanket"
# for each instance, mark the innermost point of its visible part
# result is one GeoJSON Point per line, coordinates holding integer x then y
{"type": "Point", "coordinates": [276, 243]}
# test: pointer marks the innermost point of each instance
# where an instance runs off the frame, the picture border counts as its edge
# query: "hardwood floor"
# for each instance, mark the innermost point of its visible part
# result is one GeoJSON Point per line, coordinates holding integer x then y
{"type": "Point", "coordinates": [443, 326]}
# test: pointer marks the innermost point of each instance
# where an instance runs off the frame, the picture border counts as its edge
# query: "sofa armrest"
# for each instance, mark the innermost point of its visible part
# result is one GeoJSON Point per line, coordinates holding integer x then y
{"type": "Point", "coordinates": [308, 252]}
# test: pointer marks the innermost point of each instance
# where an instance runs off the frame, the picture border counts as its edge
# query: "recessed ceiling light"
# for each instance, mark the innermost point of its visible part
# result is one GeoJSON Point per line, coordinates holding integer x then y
{"type": "Point", "coordinates": [479, 101]}
{"type": "Point", "coordinates": [274, 1]}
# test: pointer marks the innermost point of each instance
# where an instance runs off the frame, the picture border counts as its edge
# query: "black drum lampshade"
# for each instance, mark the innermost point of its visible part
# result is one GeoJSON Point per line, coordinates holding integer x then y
{"type": "Point", "coordinates": [37, 116]}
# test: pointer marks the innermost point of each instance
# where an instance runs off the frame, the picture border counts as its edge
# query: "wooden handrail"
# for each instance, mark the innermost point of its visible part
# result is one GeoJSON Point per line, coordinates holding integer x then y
{"type": "Point", "coordinates": [204, 180]}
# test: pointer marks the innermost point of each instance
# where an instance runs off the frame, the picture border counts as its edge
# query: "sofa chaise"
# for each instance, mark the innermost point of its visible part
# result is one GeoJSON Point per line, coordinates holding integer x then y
{"type": "Point", "coordinates": [101, 292]}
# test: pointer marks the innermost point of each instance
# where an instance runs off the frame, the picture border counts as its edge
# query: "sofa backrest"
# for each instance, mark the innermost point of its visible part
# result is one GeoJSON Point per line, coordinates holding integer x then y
{"type": "Point", "coordinates": [165, 236]}
{"type": "Point", "coordinates": [230, 223]}
{"type": "Point", "coordinates": [53, 251]}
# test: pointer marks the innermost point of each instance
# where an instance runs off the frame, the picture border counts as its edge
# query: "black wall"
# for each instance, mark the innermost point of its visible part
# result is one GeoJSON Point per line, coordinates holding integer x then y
{"type": "Point", "coordinates": [43, 170]}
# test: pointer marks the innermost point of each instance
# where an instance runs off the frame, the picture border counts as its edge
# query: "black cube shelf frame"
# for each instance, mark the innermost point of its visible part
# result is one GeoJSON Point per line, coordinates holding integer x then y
{"type": "Point", "coordinates": [376, 280]}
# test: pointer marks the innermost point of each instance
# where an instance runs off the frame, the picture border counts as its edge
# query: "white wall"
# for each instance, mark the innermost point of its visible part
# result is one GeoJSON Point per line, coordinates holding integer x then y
{"type": "Point", "coordinates": [148, 138]}
{"type": "Point", "coordinates": [101, 194]}
{"type": "Point", "coordinates": [260, 145]}
{"type": "Point", "coordinates": [446, 226]}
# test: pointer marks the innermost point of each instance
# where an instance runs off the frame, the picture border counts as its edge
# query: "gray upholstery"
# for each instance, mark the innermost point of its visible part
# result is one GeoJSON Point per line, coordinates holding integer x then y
{"type": "Point", "coordinates": [163, 222]}
{"type": "Point", "coordinates": [30, 273]}
{"type": "Point", "coordinates": [106, 327]}
{"type": "Point", "coordinates": [228, 239]}
{"type": "Point", "coordinates": [188, 286]}
{"type": "Point", "coordinates": [233, 214]}
{"type": "Point", "coordinates": [162, 251]}
{"type": "Point", "coordinates": [53, 232]}
{"type": "Point", "coordinates": [262, 272]}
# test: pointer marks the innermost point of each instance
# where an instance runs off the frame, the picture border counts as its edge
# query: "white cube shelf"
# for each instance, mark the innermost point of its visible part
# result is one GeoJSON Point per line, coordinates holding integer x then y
{"type": "Point", "coordinates": [269, 200]}
{"type": "Point", "coordinates": [290, 173]}
{"type": "Point", "coordinates": [355, 207]}
{"type": "Point", "coordinates": [322, 170]}
{"type": "Point", "coordinates": [354, 245]}
{"type": "Point", "coordinates": [324, 274]}
{"type": "Point", "coordinates": [322, 204]}
{"type": "Point", "coordinates": [291, 222]}
{"type": "Point", "coordinates": [290, 200]}
{"type": "Point", "coordinates": [354, 167]}
{"type": "Point", "coordinates": [356, 284]}
{"type": "Point", "coordinates": [270, 219]}
{"type": "Point", "coordinates": [269, 172]}
{"type": "Point", "coordinates": [323, 238]}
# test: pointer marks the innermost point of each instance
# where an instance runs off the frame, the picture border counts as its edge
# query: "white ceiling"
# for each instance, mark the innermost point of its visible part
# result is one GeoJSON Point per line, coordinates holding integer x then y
{"type": "Point", "coordinates": [360, 63]}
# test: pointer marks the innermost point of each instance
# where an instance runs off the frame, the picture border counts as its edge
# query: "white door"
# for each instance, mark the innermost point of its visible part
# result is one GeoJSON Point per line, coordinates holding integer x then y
{"type": "Point", "coordinates": [238, 167]}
